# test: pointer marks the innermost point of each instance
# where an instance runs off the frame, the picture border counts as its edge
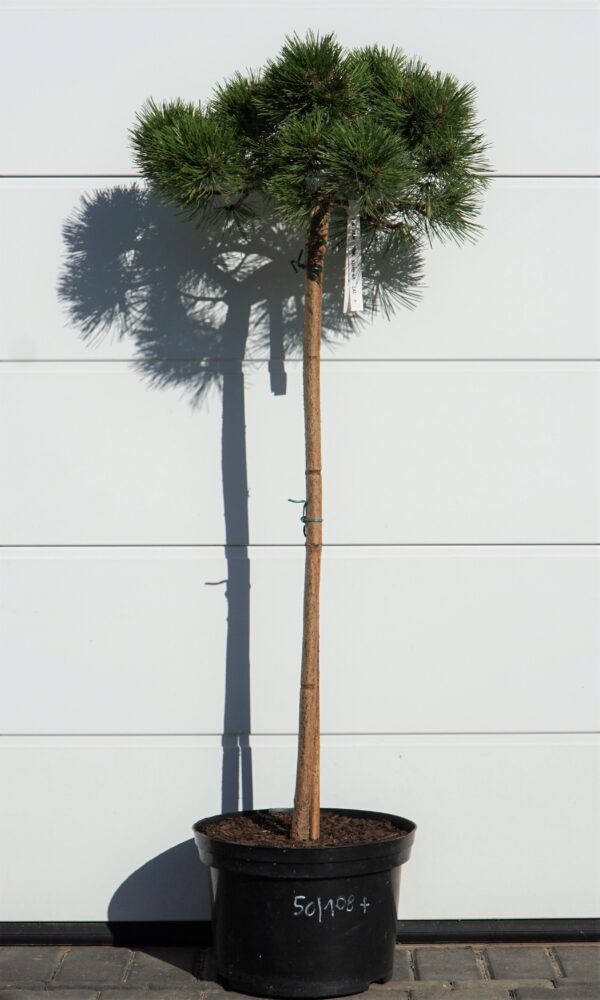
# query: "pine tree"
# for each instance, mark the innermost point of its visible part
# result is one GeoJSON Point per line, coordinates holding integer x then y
{"type": "Point", "coordinates": [318, 133]}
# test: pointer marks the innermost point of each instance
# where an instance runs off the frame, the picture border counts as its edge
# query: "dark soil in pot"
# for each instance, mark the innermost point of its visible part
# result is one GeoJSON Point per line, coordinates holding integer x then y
{"type": "Point", "coordinates": [299, 920]}
{"type": "Point", "coordinates": [271, 828]}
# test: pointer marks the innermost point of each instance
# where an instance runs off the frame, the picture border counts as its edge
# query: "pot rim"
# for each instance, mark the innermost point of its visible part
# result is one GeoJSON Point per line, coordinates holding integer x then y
{"type": "Point", "coordinates": [310, 855]}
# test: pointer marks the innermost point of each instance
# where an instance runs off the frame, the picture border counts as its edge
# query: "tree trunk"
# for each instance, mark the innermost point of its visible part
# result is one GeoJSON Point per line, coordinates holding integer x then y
{"type": "Point", "coordinates": [305, 825]}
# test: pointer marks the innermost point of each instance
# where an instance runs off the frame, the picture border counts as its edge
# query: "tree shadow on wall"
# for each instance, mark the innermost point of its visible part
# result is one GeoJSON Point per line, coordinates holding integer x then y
{"type": "Point", "coordinates": [199, 305]}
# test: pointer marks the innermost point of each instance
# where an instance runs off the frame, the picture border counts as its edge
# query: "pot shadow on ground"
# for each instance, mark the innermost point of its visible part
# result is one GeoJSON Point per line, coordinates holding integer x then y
{"type": "Point", "coordinates": [199, 305]}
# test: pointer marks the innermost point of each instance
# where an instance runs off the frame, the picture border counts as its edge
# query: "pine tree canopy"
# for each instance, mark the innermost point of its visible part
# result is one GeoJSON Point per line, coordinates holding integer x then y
{"type": "Point", "coordinates": [320, 127]}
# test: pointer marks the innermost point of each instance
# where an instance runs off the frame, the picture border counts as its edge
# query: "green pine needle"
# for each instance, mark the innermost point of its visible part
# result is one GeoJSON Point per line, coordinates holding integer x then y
{"type": "Point", "coordinates": [318, 127]}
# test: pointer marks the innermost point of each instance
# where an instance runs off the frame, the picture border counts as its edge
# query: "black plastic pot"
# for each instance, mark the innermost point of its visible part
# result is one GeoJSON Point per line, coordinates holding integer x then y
{"type": "Point", "coordinates": [305, 921]}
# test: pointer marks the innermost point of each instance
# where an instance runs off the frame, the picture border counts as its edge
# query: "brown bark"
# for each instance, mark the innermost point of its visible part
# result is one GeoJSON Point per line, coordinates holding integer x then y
{"type": "Point", "coordinates": [305, 825]}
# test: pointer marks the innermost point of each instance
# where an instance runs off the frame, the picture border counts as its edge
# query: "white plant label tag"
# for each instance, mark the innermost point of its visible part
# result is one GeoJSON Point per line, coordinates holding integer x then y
{"type": "Point", "coordinates": [353, 297]}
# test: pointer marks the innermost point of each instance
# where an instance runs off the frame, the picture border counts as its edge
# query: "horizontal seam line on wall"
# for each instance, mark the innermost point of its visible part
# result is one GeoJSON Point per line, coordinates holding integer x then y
{"type": "Point", "coordinates": [288, 545]}
{"type": "Point", "coordinates": [293, 735]}
{"type": "Point", "coordinates": [264, 361]}
{"type": "Point", "coordinates": [141, 176]}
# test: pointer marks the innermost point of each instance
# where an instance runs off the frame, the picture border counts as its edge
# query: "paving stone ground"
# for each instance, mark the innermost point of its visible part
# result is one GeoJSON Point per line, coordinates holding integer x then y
{"type": "Point", "coordinates": [422, 972]}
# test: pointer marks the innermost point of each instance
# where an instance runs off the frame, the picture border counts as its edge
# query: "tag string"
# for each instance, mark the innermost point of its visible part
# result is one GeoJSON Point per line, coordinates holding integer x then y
{"type": "Point", "coordinates": [312, 269]}
{"type": "Point", "coordinates": [305, 520]}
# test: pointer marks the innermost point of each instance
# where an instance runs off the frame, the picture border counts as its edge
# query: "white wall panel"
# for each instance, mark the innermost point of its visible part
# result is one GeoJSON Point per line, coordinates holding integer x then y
{"type": "Point", "coordinates": [100, 457]}
{"type": "Point", "coordinates": [100, 826]}
{"type": "Point", "coordinates": [433, 640]}
{"type": "Point", "coordinates": [113, 640]}
{"type": "Point", "coordinates": [498, 639]}
{"type": "Point", "coordinates": [81, 75]}
{"type": "Point", "coordinates": [436, 453]}
{"type": "Point", "coordinates": [85, 814]}
{"type": "Point", "coordinates": [527, 289]}
{"type": "Point", "coordinates": [446, 453]}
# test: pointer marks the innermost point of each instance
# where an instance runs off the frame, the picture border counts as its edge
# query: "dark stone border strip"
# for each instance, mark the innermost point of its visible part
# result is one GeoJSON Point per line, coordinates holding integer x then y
{"type": "Point", "coordinates": [188, 932]}
{"type": "Point", "coordinates": [498, 931]}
